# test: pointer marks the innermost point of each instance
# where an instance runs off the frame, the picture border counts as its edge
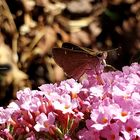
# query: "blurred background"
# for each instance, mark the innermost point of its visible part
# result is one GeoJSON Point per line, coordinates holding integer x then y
{"type": "Point", "coordinates": [29, 29]}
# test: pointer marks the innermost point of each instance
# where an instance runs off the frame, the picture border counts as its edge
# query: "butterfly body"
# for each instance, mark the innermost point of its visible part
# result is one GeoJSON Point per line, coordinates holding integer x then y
{"type": "Point", "coordinates": [75, 60]}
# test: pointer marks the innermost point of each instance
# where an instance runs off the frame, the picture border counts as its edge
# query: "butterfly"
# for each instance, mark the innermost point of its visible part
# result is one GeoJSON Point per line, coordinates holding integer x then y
{"type": "Point", "coordinates": [76, 60]}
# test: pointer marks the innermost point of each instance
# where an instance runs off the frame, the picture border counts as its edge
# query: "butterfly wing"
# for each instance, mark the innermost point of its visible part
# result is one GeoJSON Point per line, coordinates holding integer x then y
{"type": "Point", "coordinates": [83, 49]}
{"type": "Point", "coordinates": [74, 62]}
{"type": "Point", "coordinates": [71, 46]}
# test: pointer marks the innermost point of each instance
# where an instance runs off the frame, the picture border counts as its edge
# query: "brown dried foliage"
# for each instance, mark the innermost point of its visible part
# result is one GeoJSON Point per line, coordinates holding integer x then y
{"type": "Point", "coordinates": [31, 28]}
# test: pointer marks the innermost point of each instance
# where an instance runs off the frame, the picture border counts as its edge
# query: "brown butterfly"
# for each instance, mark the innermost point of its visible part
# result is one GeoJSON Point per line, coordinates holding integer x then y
{"type": "Point", "coordinates": [76, 60]}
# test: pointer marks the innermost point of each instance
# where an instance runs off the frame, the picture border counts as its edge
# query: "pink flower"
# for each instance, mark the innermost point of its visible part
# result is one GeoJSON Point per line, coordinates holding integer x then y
{"type": "Point", "coordinates": [28, 100]}
{"type": "Point", "coordinates": [5, 135]}
{"type": "Point", "coordinates": [5, 115]}
{"type": "Point", "coordinates": [64, 104]}
{"type": "Point", "coordinates": [102, 106]}
{"type": "Point", "coordinates": [44, 122]}
{"type": "Point", "coordinates": [71, 85]}
{"type": "Point", "coordinates": [31, 136]}
{"type": "Point", "coordinates": [48, 88]}
{"type": "Point", "coordinates": [97, 91]}
{"type": "Point", "coordinates": [86, 134]}
{"type": "Point", "coordinates": [111, 132]}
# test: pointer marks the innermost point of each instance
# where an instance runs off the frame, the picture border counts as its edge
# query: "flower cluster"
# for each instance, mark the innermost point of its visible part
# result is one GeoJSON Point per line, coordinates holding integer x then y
{"type": "Point", "coordinates": [103, 106]}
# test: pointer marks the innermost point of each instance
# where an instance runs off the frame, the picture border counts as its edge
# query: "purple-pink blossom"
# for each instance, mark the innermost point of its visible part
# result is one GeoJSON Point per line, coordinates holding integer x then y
{"type": "Point", "coordinates": [103, 105]}
{"type": "Point", "coordinates": [43, 122]}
